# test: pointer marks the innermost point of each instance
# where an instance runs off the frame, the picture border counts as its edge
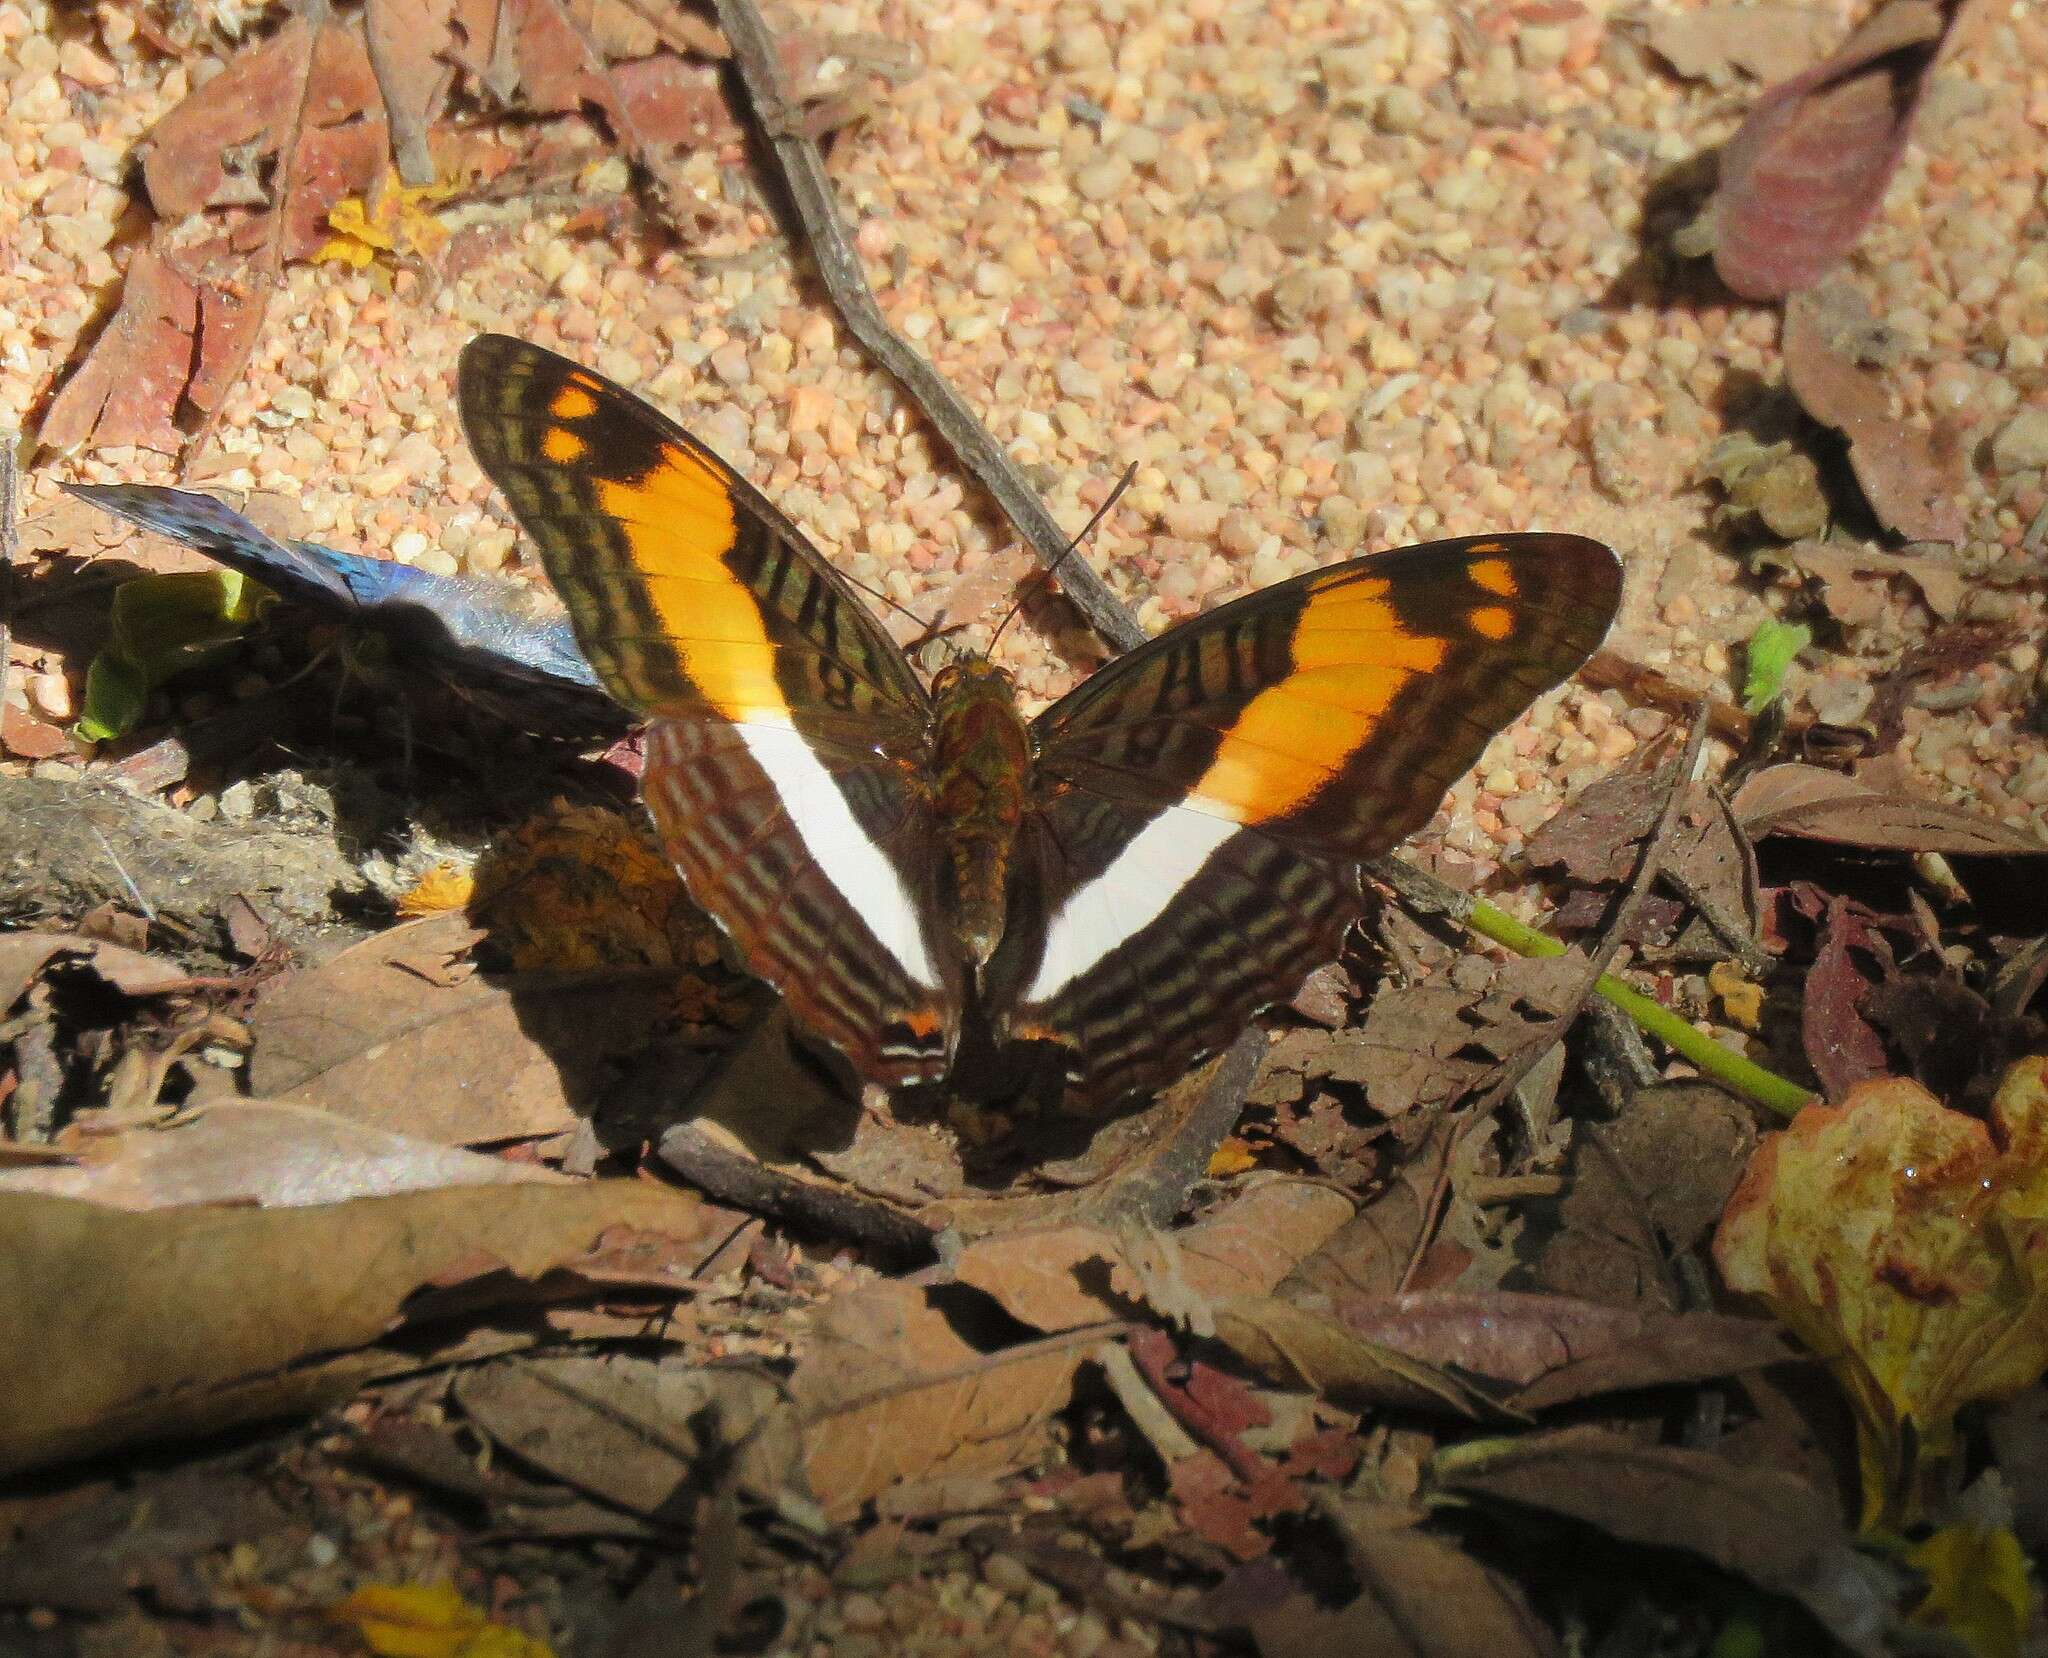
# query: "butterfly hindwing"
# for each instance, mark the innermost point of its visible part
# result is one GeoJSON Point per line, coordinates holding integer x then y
{"type": "Point", "coordinates": [786, 730]}
{"type": "Point", "coordinates": [1206, 799]}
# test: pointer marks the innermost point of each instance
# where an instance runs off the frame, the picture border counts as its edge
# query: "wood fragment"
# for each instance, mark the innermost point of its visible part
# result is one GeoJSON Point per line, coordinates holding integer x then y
{"type": "Point", "coordinates": [735, 1178]}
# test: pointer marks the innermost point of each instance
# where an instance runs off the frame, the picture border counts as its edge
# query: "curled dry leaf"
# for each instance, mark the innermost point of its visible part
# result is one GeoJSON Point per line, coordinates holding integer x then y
{"type": "Point", "coordinates": [1910, 477]}
{"type": "Point", "coordinates": [1855, 581]}
{"type": "Point", "coordinates": [256, 1151]}
{"type": "Point", "coordinates": [1905, 1244]}
{"type": "Point", "coordinates": [1422, 1597]}
{"type": "Point", "coordinates": [1813, 803]}
{"type": "Point", "coordinates": [1771, 1527]}
{"type": "Point", "coordinates": [1548, 1350]}
{"type": "Point", "coordinates": [120, 1327]}
{"type": "Point", "coordinates": [1807, 169]}
{"type": "Point", "coordinates": [890, 1391]}
{"type": "Point", "coordinates": [1297, 1347]}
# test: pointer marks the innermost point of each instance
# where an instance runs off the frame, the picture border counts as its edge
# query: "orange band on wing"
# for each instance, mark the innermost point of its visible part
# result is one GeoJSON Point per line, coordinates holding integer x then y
{"type": "Point", "coordinates": [679, 523]}
{"type": "Point", "coordinates": [1351, 658]}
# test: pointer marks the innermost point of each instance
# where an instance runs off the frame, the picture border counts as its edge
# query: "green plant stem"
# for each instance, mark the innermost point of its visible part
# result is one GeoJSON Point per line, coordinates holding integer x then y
{"type": "Point", "coordinates": [1767, 1088]}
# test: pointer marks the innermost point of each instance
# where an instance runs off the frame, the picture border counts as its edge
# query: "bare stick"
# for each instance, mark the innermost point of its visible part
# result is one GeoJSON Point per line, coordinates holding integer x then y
{"type": "Point", "coordinates": [737, 1179]}
{"type": "Point", "coordinates": [10, 502]}
{"type": "Point", "coordinates": [810, 189]}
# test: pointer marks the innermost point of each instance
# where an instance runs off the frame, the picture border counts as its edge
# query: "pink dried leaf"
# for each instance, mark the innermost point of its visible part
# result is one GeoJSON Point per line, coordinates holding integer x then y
{"type": "Point", "coordinates": [1806, 171]}
{"type": "Point", "coordinates": [128, 387]}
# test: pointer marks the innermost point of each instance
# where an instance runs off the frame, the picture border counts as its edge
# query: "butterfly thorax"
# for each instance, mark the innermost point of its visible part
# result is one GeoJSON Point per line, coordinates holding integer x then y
{"type": "Point", "coordinates": [981, 773]}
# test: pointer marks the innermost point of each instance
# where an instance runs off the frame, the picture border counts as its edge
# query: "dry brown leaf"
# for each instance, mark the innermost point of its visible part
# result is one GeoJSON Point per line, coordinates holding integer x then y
{"type": "Point", "coordinates": [411, 45]}
{"type": "Point", "coordinates": [1056, 1278]}
{"type": "Point", "coordinates": [889, 1391]}
{"type": "Point", "coordinates": [1807, 169]}
{"type": "Point", "coordinates": [246, 113]}
{"type": "Point", "coordinates": [1051, 1278]}
{"type": "Point", "coordinates": [1855, 581]}
{"type": "Point", "coordinates": [257, 1151]}
{"type": "Point", "coordinates": [1771, 1527]}
{"type": "Point", "coordinates": [369, 1037]}
{"type": "Point", "coordinates": [1438, 1042]}
{"type": "Point", "coordinates": [123, 1327]}
{"type": "Point", "coordinates": [1811, 803]}
{"type": "Point", "coordinates": [1299, 1348]}
{"type": "Point", "coordinates": [24, 955]}
{"type": "Point", "coordinates": [1647, 1186]}
{"type": "Point", "coordinates": [128, 387]}
{"type": "Point", "coordinates": [1761, 41]}
{"type": "Point", "coordinates": [1910, 477]}
{"type": "Point", "coordinates": [572, 53]}
{"type": "Point", "coordinates": [634, 1431]}
{"type": "Point", "coordinates": [1423, 1597]}
{"type": "Point", "coordinates": [1248, 1245]}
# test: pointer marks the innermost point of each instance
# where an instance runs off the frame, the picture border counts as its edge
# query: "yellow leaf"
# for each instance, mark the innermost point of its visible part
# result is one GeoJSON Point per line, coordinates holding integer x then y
{"type": "Point", "coordinates": [1742, 1001]}
{"type": "Point", "coordinates": [444, 887]}
{"type": "Point", "coordinates": [1907, 1245]}
{"type": "Point", "coordinates": [1977, 1588]}
{"type": "Point", "coordinates": [429, 1621]}
{"type": "Point", "coordinates": [1233, 1156]}
{"type": "Point", "coordinates": [393, 219]}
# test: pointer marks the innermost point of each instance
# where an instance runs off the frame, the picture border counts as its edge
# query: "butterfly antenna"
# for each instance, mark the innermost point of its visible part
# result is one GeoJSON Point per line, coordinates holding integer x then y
{"type": "Point", "coordinates": [880, 597]}
{"type": "Point", "coordinates": [1038, 582]}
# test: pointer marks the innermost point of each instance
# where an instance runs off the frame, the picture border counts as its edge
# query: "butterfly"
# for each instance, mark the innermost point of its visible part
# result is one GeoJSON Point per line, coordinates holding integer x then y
{"type": "Point", "coordinates": [942, 890]}
{"type": "Point", "coordinates": [486, 636]}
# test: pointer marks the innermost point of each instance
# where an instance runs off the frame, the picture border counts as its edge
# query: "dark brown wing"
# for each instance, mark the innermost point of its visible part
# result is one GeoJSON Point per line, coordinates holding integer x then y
{"type": "Point", "coordinates": [1205, 801]}
{"type": "Point", "coordinates": [785, 727]}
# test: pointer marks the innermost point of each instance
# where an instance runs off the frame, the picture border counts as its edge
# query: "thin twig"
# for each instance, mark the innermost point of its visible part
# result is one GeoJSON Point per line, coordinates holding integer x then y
{"type": "Point", "coordinates": [10, 545]}
{"type": "Point", "coordinates": [811, 192]}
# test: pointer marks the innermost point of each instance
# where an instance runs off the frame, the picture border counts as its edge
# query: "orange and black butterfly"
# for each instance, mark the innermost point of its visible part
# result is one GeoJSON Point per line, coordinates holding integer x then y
{"type": "Point", "coordinates": [932, 880]}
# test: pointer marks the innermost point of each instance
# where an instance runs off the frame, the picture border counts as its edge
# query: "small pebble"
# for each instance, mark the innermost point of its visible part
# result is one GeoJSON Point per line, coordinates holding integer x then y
{"type": "Point", "coordinates": [238, 801]}
{"type": "Point", "coordinates": [50, 696]}
{"type": "Point", "coordinates": [1005, 1573]}
{"type": "Point", "coordinates": [2021, 444]}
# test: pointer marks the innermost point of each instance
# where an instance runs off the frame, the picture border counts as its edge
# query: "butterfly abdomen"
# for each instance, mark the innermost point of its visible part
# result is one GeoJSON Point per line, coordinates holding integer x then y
{"type": "Point", "coordinates": [981, 776]}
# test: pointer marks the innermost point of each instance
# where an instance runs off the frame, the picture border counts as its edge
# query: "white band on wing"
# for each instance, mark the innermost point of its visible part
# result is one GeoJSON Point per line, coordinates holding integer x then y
{"type": "Point", "coordinates": [1128, 896]}
{"type": "Point", "coordinates": [852, 862]}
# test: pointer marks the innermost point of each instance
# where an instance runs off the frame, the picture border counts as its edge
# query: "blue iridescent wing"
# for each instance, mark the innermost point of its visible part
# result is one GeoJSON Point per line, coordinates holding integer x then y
{"type": "Point", "coordinates": [493, 628]}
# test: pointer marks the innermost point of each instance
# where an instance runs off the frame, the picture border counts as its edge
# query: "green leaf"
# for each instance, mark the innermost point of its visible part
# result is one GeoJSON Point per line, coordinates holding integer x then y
{"type": "Point", "coordinates": [162, 626]}
{"type": "Point", "coordinates": [1769, 653]}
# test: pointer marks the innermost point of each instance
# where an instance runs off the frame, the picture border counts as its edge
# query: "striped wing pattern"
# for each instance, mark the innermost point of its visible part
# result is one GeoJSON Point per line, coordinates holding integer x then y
{"type": "Point", "coordinates": [785, 728]}
{"type": "Point", "coordinates": [1197, 810]}
{"type": "Point", "coordinates": [1206, 799]}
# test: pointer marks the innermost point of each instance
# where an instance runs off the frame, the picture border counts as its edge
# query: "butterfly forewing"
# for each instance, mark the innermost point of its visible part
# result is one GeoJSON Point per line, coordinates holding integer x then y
{"type": "Point", "coordinates": [785, 728]}
{"type": "Point", "coordinates": [1206, 799]}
